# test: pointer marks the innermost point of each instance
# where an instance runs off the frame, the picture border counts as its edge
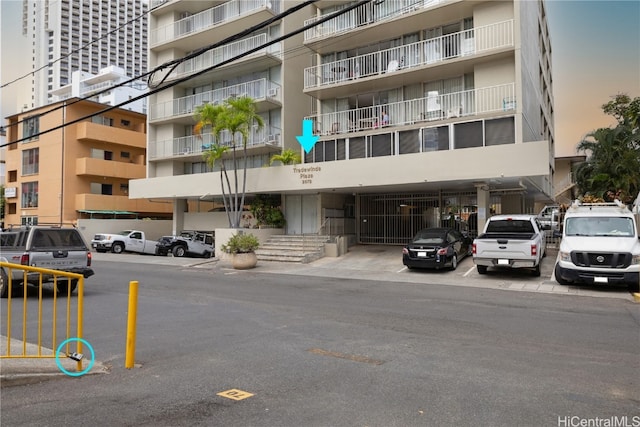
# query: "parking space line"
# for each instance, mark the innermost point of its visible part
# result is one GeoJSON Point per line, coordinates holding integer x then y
{"type": "Point", "coordinates": [402, 269]}
{"type": "Point", "coordinates": [469, 271]}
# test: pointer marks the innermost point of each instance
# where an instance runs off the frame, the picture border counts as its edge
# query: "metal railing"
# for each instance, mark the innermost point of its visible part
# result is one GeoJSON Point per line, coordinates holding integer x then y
{"type": "Point", "coordinates": [61, 285]}
{"type": "Point", "coordinates": [193, 144]}
{"type": "Point", "coordinates": [413, 55]}
{"type": "Point", "coordinates": [218, 55]}
{"type": "Point", "coordinates": [207, 19]}
{"type": "Point", "coordinates": [257, 90]}
{"type": "Point", "coordinates": [363, 15]}
{"type": "Point", "coordinates": [430, 108]}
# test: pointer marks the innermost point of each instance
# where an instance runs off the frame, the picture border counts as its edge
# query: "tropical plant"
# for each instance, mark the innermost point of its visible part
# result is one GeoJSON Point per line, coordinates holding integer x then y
{"type": "Point", "coordinates": [266, 210]}
{"type": "Point", "coordinates": [241, 244]}
{"type": "Point", "coordinates": [612, 166]}
{"type": "Point", "coordinates": [287, 157]}
{"type": "Point", "coordinates": [235, 116]}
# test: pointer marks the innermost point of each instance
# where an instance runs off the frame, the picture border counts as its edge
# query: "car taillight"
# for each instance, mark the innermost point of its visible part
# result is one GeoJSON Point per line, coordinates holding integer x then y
{"type": "Point", "coordinates": [534, 250]}
{"type": "Point", "coordinates": [88, 259]}
{"type": "Point", "coordinates": [24, 259]}
{"type": "Point", "coordinates": [473, 248]}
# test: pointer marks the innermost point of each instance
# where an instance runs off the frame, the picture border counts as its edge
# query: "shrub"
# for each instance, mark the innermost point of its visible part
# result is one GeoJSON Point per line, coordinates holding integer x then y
{"type": "Point", "coordinates": [241, 244]}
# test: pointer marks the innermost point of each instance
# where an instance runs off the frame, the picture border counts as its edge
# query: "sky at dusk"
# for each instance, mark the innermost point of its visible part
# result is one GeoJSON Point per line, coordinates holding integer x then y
{"type": "Point", "coordinates": [595, 55]}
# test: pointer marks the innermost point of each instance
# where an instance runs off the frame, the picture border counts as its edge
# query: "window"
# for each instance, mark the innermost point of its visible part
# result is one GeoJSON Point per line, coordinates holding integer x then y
{"type": "Point", "coordinates": [435, 139]}
{"type": "Point", "coordinates": [99, 188]}
{"type": "Point", "coordinates": [499, 131]}
{"type": "Point", "coordinates": [31, 127]}
{"type": "Point", "coordinates": [125, 154]}
{"type": "Point", "coordinates": [468, 135]}
{"type": "Point", "coordinates": [30, 161]}
{"type": "Point", "coordinates": [97, 153]}
{"type": "Point", "coordinates": [101, 120]}
{"type": "Point", "coordinates": [29, 195]}
{"type": "Point", "coordinates": [12, 176]}
{"type": "Point", "coordinates": [29, 220]}
{"type": "Point", "coordinates": [409, 142]}
{"type": "Point", "coordinates": [125, 123]}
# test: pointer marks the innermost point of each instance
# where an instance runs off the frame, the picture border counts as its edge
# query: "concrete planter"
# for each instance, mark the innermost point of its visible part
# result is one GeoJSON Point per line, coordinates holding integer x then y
{"type": "Point", "coordinates": [244, 261]}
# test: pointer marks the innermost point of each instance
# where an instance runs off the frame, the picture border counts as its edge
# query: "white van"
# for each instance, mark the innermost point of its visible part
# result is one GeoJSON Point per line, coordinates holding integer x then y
{"type": "Point", "coordinates": [600, 245]}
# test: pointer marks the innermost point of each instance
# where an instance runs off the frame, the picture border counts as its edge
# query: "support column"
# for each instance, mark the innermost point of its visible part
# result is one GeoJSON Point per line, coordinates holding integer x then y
{"type": "Point", "coordinates": [484, 204]}
{"type": "Point", "coordinates": [179, 207]}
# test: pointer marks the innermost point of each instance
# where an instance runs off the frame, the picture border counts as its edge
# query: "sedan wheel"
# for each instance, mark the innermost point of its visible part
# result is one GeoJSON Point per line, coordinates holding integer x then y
{"type": "Point", "coordinates": [454, 262]}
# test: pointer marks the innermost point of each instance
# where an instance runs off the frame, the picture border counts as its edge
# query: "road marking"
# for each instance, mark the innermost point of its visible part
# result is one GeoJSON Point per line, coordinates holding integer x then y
{"type": "Point", "coordinates": [402, 269]}
{"type": "Point", "coordinates": [469, 271]}
{"type": "Point", "coordinates": [353, 357]}
{"type": "Point", "coordinates": [235, 394]}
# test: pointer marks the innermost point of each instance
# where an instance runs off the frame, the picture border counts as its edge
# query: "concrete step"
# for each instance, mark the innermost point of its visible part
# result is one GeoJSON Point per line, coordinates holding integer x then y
{"type": "Point", "coordinates": [292, 248]}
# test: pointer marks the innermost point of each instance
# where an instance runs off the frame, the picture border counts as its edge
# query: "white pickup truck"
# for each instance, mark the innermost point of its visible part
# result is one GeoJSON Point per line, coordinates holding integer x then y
{"type": "Point", "coordinates": [510, 241]}
{"type": "Point", "coordinates": [127, 240]}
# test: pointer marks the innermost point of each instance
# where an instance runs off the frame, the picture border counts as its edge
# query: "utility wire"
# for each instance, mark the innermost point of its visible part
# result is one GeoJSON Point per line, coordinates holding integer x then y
{"type": "Point", "coordinates": [80, 48]}
{"type": "Point", "coordinates": [191, 76]}
{"type": "Point", "coordinates": [174, 63]}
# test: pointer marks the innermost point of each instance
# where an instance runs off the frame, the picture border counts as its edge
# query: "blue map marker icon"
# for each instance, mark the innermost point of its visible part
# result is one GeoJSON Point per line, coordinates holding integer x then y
{"type": "Point", "coordinates": [307, 140]}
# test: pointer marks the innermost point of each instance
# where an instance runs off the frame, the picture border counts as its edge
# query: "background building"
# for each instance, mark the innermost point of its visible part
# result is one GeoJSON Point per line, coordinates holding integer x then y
{"type": "Point", "coordinates": [58, 37]}
{"type": "Point", "coordinates": [79, 170]}
{"type": "Point", "coordinates": [426, 110]}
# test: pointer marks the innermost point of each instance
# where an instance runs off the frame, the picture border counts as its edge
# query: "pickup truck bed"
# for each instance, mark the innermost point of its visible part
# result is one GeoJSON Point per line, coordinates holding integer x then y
{"type": "Point", "coordinates": [510, 241]}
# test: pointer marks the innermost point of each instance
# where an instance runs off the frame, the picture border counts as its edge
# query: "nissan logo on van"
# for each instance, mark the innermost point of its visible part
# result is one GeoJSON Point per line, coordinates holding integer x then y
{"type": "Point", "coordinates": [600, 259]}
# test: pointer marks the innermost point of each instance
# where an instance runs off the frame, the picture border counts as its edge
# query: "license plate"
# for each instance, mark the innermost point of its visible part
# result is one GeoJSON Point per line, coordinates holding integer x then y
{"type": "Point", "coordinates": [601, 280]}
{"type": "Point", "coordinates": [95, 245]}
{"type": "Point", "coordinates": [503, 262]}
{"type": "Point", "coordinates": [422, 254]}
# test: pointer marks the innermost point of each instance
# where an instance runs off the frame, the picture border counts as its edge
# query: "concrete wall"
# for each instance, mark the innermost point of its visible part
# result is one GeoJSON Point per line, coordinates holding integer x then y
{"type": "Point", "coordinates": [152, 229]}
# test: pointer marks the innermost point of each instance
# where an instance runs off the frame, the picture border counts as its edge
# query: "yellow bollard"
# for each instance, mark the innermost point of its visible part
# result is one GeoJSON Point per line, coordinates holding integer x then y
{"type": "Point", "coordinates": [131, 325]}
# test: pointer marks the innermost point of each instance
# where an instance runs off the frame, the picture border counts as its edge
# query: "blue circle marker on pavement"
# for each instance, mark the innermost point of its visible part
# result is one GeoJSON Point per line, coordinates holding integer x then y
{"type": "Point", "coordinates": [75, 374]}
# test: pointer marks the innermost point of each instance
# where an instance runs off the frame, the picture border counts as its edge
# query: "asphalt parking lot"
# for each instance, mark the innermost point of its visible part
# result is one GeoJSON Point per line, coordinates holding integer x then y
{"type": "Point", "coordinates": [384, 263]}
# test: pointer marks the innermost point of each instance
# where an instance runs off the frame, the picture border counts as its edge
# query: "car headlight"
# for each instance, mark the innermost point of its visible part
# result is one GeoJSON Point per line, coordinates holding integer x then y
{"type": "Point", "coordinates": [635, 259]}
{"type": "Point", "coordinates": [565, 256]}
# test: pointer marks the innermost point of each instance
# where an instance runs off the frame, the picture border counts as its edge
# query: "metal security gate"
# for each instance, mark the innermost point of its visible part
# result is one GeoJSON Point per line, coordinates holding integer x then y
{"type": "Point", "coordinates": [394, 218]}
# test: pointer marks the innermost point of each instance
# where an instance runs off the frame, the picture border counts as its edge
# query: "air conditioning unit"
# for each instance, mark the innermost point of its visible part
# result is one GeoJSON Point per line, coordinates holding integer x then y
{"type": "Point", "coordinates": [187, 151]}
{"type": "Point", "coordinates": [271, 139]}
{"type": "Point", "coordinates": [273, 92]}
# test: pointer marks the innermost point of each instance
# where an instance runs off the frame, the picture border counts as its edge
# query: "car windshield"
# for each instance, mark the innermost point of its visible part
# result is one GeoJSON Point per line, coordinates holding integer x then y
{"type": "Point", "coordinates": [599, 226]}
{"type": "Point", "coordinates": [429, 237]}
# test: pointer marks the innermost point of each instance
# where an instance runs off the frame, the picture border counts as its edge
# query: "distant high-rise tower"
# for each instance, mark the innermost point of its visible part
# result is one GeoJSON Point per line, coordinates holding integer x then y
{"type": "Point", "coordinates": [86, 35]}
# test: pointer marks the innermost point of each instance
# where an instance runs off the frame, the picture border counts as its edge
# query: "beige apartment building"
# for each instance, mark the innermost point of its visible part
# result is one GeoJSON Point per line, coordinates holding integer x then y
{"type": "Point", "coordinates": [64, 165]}
{"type": "Point", "coordinates": [423, 109]}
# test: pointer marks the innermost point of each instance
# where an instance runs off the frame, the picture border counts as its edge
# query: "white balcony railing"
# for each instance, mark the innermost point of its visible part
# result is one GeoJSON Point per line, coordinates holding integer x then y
{"type": "Point", "coordinates": [463, 43]}
{"type": "Point", "coordinates": [188, 145]}
{"type": "Point", "coordinates": [224, 53]}
{"type": "Point", "coordinates": [257, 90]}
{"type": "Point", "coordinates": [433, 107]}
{"type": "Point", "coordinates": [365, 14]}
{"type": "Point", "coordinates": [207, 19]}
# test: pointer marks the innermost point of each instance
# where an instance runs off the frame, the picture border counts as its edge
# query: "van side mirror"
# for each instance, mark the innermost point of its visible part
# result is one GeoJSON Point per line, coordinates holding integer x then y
{"type": "Point", "coordinates": [557, 233]}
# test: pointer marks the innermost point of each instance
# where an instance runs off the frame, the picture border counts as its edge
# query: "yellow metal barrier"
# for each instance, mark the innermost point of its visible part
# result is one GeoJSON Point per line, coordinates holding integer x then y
{"type": "Point", "coordinates": [61, 281]}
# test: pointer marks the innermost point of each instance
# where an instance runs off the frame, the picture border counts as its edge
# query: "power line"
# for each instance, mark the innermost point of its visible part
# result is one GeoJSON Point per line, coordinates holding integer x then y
{"type": "Point", "coordinates": [79, 49]}
{"type": "Point", "coordinates": [193, 75]}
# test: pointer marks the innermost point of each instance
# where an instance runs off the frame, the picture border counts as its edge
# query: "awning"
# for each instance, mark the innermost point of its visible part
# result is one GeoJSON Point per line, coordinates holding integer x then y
{"type": "Point", "coordinates": [107, 212]}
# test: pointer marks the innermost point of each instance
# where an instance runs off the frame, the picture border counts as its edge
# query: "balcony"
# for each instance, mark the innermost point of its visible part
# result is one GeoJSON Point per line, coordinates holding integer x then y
{"type": "Point", "coordinates": [100, 202]}
{"type": "Point", "coordinates": [381, 21]}
{"type": "Point", "coordinates": [261, 58]}
{"type": "Point", "coordinates": [190, 148]}
{"type": "Point", "coordinates": [267, 94]}
{"type": "Point", "coordinates": [433, 107]}
{"type": "Point", "coordinates": [216, 23]}
{"type": "Point", "coordinates": [93, 132]}
{"type": "Point", "coordinates": [405, 65]}
{"type": "Point", "coordinates": [88, 166]}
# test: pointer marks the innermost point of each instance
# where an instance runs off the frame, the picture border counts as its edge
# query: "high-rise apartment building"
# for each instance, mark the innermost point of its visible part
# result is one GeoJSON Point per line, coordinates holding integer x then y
{"type": "Point", "coordinates": [64, 36]}
{"type": "Point", "coordinates": [424, 109]}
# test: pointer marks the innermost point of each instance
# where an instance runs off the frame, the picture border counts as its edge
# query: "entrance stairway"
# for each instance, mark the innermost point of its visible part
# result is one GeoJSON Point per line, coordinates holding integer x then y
{"type": "Point", "coordinates": [292, 248]}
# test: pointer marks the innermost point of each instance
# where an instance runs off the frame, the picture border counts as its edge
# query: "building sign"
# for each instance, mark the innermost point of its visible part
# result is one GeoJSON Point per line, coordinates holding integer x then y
{"type": "Point", "coordinates": [10, 192]}
{"type": "Point", "coordinates": [306, 173]}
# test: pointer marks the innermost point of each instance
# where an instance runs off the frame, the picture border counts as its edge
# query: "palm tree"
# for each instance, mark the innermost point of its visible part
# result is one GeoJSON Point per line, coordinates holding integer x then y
{"type": "Point", "coordinates": [235, 116]}
{"type": "Point", "coordinates": [287, 157]}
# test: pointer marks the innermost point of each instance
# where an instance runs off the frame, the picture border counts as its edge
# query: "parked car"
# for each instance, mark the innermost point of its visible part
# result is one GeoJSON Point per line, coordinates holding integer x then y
{"type": "Point", "coordinates": [127, 240]}
{"type": "Point", "coordinates": [436, 248]}
{"type": "Point", "coordinates": [188, 243]}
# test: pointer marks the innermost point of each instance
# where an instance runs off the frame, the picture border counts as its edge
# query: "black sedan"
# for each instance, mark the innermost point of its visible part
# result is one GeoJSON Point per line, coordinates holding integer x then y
{"type": "Point", "coordinates": [436, 248]}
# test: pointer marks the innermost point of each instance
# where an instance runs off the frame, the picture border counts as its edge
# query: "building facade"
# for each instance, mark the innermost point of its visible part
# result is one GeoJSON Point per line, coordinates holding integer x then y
{"type": "Point", "coordinates": [425, 110]}
{"type": "Point", "coordinates": [64, 36]}
{"type": "Point", "coordinates": [78, 170]}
